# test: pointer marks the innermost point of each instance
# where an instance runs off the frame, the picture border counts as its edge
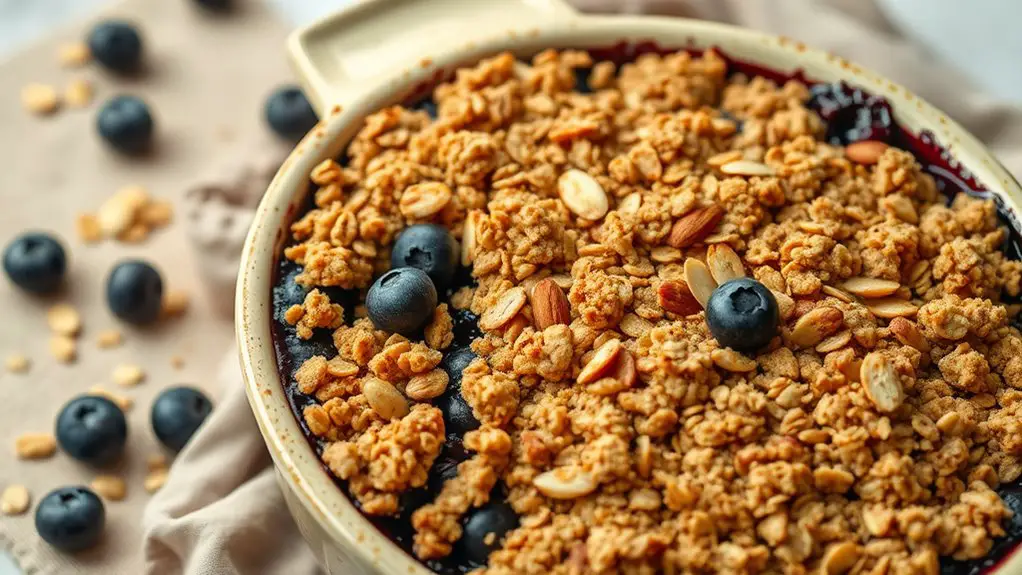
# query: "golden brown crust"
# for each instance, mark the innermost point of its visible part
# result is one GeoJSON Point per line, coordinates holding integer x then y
{"type": "Point", "coordinates": [868, 436]}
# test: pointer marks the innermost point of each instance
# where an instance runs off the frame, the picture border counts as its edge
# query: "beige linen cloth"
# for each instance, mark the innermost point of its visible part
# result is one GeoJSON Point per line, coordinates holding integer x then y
{"type": "Point", "coordinates": [221, 512]}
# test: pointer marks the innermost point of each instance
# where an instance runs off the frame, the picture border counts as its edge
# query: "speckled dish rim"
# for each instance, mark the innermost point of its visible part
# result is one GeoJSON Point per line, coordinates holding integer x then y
{"type": "Point", "coordinates": [343, 101]}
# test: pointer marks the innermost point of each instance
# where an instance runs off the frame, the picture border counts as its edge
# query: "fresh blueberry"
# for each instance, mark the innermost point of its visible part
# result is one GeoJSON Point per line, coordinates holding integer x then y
{"type": "Point", "coordinates": [177, 413]}
{"type": "Point", "coordinates": [496, 517]}
{"type": "Point", "coordinates": [466, 326]}
{"type": "Point", "coordinates": [582, 80]}
{"type": "Point", "coordinates": [289, 113]}
{"type": "Point", "coordinates": [426, 105]}
{"type": "Point", "coordinates": [134, 292]}
{"type": "Point", "coordinates": [92, 429]}
{"type": "Point", "coordinates": [35, 262]}
{"type": "Point", "coordinates": [458, 416]}
{"type": "Point", "coordinates": [215, 5]}
{"type": "Point", "coordinates": [116, 45]}
{"type": "Point", "coordinates": [742, 314]}
{"type": "Point", "coordinates": [70, 518]}
{"type": "Point", "coordinates": [401, 300]}
{"type": "Point", "coordinates": [430, 248]}
{"type": "Point", "coordinates": [126, 124]}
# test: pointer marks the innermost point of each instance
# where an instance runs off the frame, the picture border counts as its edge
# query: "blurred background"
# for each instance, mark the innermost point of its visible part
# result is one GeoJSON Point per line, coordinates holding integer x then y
{"type": "Point", "coordinates": [979, 37]}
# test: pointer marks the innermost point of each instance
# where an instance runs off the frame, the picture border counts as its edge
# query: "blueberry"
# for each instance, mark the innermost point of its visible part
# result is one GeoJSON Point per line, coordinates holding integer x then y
{"type": "Point", "coordinates": [215, 5]}
{"type": "Point", "coordinates": [466, 326]}
{"type": "Point", "coordinates": [70, 518]}
{"type": "Point", "coordinates": [116, 45]}
{"type": "Point", "coordinates": [851, 114]}
{"type": "Point", "coordinates": [126, 124]}
{"type": "Point", "coordinates": [430, 248]}
{"type": "Point", "coordinates": [426, 105]}
{"type": "Point", "coordinates": [134, 292]}
{"type": "Point", "coordinates": [458, 416]}
{"type": "Point", "coordinates": [496, 517]}
{"type": "Point", "coordinates": [289, 113]}
{"type": "Point", "coordinates": [35, 262]}
{"type": "Point", "coordinates": [177, 413]}
{"type": "Point", "coordinates": [582, 80]}
{"type": "Point", "coordinates": [742, 314]}
{"type": "Point", "coordinates": [445, 467]}
{"type": "Point", "coordinates": [401, 301]}
{"type": "Point", "coordinates": [92, 429]}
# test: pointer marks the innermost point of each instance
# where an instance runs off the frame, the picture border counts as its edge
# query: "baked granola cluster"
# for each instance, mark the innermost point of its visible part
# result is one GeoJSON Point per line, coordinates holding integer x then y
{"type": "Point", "coordinates": [868, 437]}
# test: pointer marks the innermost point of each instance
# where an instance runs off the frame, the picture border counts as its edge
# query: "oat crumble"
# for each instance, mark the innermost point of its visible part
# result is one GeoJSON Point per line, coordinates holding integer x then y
{"type": "Point", "coordinates": [868, 436]}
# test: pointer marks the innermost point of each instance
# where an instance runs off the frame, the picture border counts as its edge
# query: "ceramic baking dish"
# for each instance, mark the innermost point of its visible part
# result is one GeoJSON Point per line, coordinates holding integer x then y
{"type": "Point", "coordinates": [381, 52]}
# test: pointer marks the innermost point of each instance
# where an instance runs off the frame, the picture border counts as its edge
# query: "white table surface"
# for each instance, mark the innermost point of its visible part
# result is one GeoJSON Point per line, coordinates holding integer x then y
{"type": "Point", "coordinates": [963, 37]}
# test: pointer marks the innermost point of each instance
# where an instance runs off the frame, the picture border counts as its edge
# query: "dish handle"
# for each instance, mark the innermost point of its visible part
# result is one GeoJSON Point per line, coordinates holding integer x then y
{"type": "Point", "coordinates": [340, 55]}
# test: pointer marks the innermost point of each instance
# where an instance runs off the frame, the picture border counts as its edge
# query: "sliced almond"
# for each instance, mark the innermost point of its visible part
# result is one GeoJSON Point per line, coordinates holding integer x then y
{"type": "Point", "coordinates": [384, 398]}
{"type": "Point", "coordinates": [128, 375]}
{"type": "Point", "coordinates": [674, 296]}
{"type": "Point", "coordinates": [747, 168]}
{"type": "Point", "coordinates": [63, 348]}
{"type": "Point", "coordinates": [785, 304]}
{"type": "Point", "coordinates": [665, 254]}
{"type": "Point", "coordinates": [468, 237]}
{"type": "Point", "coordinates": [630, 204]}
{"type": "Point", "coordinates": [870, 287]}
{"type": "Point", "coordinates": [17, 363]}
{"type": "Point", "coordinates": [840, 558]}
{"type": "Point", "coordinates": [109, 338]}
{"type": "Point", "coordinates": [507, 307]}
{"type": "Point", "coordinates": [424, 200]}
{"type": "Point", "coordinates": [699, 280]}
{"type": "Point", "coordinates": [881, 382]}
{"type": "Point", "coordinates": [816, 325]}
{"type": "Point", "coordinates": [835, 342]}
{"type": "Point", "coordinates": [839, 294]}
{"type": "Point", "coordinates": [624, 369]}
{"type": "Point", "coordinates": [64, 319]}
{"type": "Point", "coordinates": [908, 334]}
{"type": "Point", "coordinates": [891, 307]}
{"type": "Point", "coordinates": [731, 360]}
{"type": "Point", "coordinates": [427, 386]}
{"type": "Point", "coordinates": [565, 483]}
{"type": "Point", "coordinates": [602, 362]}
{"type": "Point", "coordinates": [724, 263]}
{"type": "Point", "coordinates": [695, 226]}
{"type": "Point", "coordinates": [549, 305]}
{"type": "Point", "coordinates": [109, 487]}
{"type": "Point", "coordinates": [866, 152]}
{"type": "Point", "coordinates": [35, 445]}
{"type": "Point", "coordinates": [583, 195]}
{"type": "Point", "coordinates": [15, 500]}
{"type": "Point", "coordinates": [635, 326]}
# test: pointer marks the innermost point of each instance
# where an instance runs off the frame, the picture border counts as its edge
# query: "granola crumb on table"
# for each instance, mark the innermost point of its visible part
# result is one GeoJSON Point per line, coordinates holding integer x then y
{"type": "Point", "coordinates": [868, 437]}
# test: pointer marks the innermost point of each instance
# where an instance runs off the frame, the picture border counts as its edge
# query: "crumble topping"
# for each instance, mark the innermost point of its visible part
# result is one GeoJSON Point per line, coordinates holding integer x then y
{"type": "Point", "coordinates": [869, 436]}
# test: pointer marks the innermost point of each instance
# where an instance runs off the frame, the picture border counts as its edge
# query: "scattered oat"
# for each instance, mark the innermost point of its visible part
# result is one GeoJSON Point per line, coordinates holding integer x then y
{"type": "Point", "coordinates": [78, 93]}
{"type": "Point", "coordinates": [154, 480]}
{"type": "Point", "coordinates": [17, 363]}
{"type": "Point", "coordinates": [35, 445]}
{"type": "Point", "coordinates": [15, 500]}
{"type": "Point", "coordinates": [74, 55]}
{"type": "Point", "coordinates": [111, 487]}
{"type": "Point", "coordinates": [175, 303]}
{"type": "Point", "coordinates": [63, 348]}
{"type": "Point", "coordinates": [109, 338]}
{"type": "Point", "coordinates": [157, 213]}
{"type": "Point", "coordinates": [156, 462]}
{"type": "Point", "coordinates": [177, 362]}
{"type": "Point", "coordinates": [88, 229]}
{"type": "Point", "coordinates": [128, 375]}
{"type": "Point", "coordinates": [64, 319]}
{"type": "Point", "coordinates": [40, 99]}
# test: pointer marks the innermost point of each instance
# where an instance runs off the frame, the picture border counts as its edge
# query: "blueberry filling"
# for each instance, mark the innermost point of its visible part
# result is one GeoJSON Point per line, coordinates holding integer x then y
{"type": "Point", "coordinates": [741, 314]}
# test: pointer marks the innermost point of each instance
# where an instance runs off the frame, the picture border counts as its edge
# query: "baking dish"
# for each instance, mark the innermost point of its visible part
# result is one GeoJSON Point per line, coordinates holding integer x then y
{"type": "Point", "coordinates": [386, 51]}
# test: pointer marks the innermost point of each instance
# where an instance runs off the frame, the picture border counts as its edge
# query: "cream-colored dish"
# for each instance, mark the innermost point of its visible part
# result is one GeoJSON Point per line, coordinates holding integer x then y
{"type": "Point", "coordinates": [379, 53]}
